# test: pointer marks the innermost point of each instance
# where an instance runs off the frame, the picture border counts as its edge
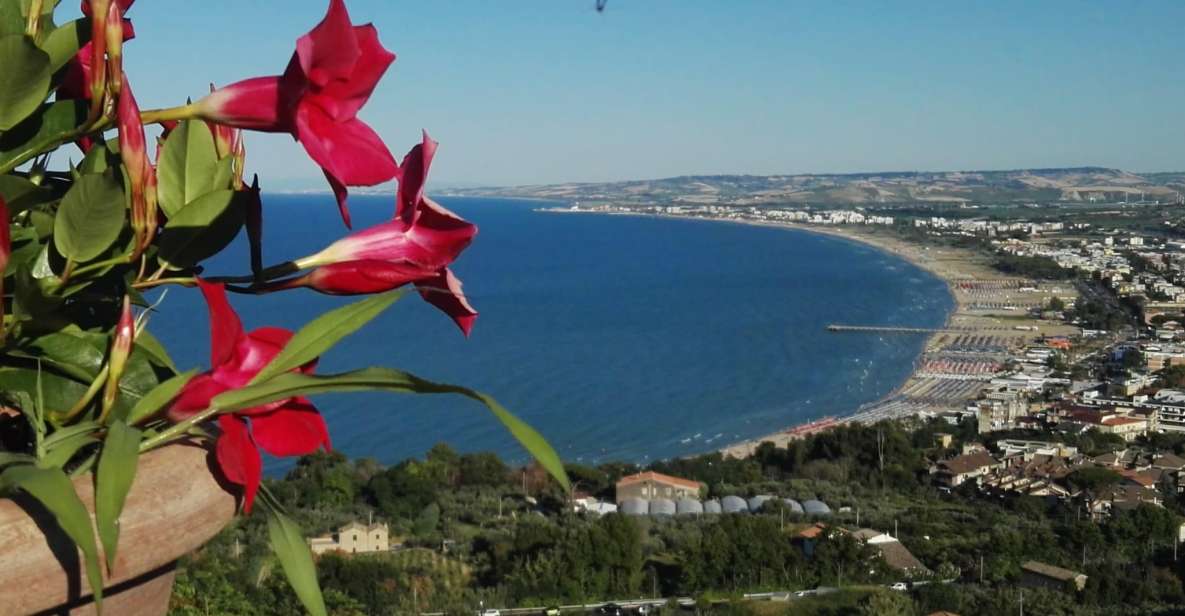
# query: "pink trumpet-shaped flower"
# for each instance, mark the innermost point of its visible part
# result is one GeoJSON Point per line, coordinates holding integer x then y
{"type": "Point", "coordinates": [289, 427]}
{"type": "Point", "coordinates": [416, 247]}
{"type": "Point", "coordinates": [329, 78]}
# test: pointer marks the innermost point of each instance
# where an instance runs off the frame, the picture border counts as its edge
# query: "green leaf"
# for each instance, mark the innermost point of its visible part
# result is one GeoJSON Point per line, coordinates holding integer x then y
{"type": "Point", "coordinates": [291, 384]}
{"type": "Point", "coordinates": [100, 159]}
{"type": "Point", "coordinates": [12, 21]}
{"type": "Point", "coordinates": [158, 397]}
{"type": "Point", "coordinates": [64, 450]}
{"type": "Point", "coordinates": [202, 228]}
{"type": "Point", "coordinates": [71, 354]}
{"type": "Point", "coordinates": [70, 432]}
{"type": "Point", "coordinates": [52, 488]}
{"type": "Point", "coordinates": [224, 174]}
{"type": "Point", "coordinates": [188, 166]}
{"type": "Point", "coordinates": [113, 480]}
{"type": "Point", "coordinates": [155, 350]}
{"type": "Point", "coordinates": [320, 334]}
{"type": "Point", "coordinates": [64, 42]}
{"type": "Point", "coordinates": [50, 125]}
{"type": "Point", "coordinates": [60, 393]}
{"type": "Point", "coordinates": [8, 458]}
{"type": "Point", "coordinates": [24, 82]}
{"type": "Point", "coordinates": [21, 194]}
{"type": "Point", "coordinates": [296, 559]}
{"type": "Point", "coordinates": [90, 218]}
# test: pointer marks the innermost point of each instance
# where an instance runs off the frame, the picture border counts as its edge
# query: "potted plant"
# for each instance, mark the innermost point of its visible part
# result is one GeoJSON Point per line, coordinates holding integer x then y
{"type": "Point", "coordinates": [115, 461]}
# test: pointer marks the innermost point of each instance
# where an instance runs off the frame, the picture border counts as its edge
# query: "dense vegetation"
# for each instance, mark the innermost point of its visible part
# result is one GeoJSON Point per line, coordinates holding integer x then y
{"type": "Point", "coordinates": [1040, 268]}
{"type": "Point", "coordinates": [474, 531]}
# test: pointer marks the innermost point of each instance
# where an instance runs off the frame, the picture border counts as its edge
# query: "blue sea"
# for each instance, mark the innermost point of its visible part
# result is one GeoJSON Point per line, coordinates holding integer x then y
{"type": "Point", "coordinates": [618, 338]}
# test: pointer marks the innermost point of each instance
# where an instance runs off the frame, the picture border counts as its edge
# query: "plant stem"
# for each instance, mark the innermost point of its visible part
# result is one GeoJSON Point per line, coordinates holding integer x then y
{"type": "Point", "coordinates": [275, 271]}
{"type": "Point", "coordinates": [148, 284]}
{"type": "Point", "coordinates": [156, 116]}
{"type": "Point", "coordinates": [177, 430]}
{"type": "Point", "coordinates": [89, 395]}
{"type": "Point", "coordinates": [97, 265]}
{"type": "Point", "coordinates": [33, 150]}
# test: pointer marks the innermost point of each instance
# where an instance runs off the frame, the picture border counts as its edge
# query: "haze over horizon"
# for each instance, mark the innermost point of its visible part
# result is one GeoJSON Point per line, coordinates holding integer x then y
{"type": "Point", "coordinates": [553, 92]}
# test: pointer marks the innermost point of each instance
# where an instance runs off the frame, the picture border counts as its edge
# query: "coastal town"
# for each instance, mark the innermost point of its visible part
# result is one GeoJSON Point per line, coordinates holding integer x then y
{"type": "Point", "coordinates": [1035, 457]}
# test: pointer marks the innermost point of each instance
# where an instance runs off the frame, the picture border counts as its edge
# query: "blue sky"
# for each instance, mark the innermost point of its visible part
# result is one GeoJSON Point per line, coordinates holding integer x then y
{"type": "Point", "coordinates": [549, 90]}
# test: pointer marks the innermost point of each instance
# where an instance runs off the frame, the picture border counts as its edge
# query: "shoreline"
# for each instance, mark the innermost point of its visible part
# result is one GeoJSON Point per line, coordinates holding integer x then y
{"type": "Point", "coordinates": [948, 264]}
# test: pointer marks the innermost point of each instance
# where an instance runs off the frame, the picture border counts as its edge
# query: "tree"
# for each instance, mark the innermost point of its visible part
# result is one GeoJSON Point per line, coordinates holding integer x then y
{"type": "Point", "coordinates": [1093, 479]}
{"type": "Point", "coordinates": [887, 603]}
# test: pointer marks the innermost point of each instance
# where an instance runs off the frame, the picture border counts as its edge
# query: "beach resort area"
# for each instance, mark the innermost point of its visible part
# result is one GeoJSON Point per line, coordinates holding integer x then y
{"type": "Point", "coordinates": [994, 321]}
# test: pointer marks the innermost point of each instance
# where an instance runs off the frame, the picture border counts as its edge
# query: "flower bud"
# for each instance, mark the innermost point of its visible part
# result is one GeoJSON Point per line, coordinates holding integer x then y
{"type": "Point", "coordinates": [98, 58]}
{"type": "Point", "coordinates": [114, 41]}
{"type": "Point", "coordinates": [135, 160]}
{"type": "Point", "coordinates": [121, 348]}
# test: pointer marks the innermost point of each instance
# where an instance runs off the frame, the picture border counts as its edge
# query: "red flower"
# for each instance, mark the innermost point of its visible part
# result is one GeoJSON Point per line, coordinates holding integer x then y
{"type": "Point", "coordinates": [329, 78]}
{"type": "Point", "coordinates": [417, 247]}
{"type": "Point", "coordinates": [290, 427]}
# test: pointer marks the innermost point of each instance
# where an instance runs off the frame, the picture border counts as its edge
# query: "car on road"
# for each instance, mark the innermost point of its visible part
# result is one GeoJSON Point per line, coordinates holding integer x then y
{"type": "Point", "coordinates": [610, 609]}
{"type": "Point", "coordinates": [552, 611]}
{"type": "Point", "coordinates": [902, 586]}
{"type": "Point", "coordinates": [489, 613]}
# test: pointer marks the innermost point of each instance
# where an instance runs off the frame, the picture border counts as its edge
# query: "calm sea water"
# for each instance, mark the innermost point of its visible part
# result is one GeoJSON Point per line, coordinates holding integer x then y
{"type": "Point", "coordinates": [617, 337]}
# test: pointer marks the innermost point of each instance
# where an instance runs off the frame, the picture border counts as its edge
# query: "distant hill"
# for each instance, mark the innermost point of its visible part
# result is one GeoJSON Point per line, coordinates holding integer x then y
{"type": "Point", "coordinates": [1076, 184]}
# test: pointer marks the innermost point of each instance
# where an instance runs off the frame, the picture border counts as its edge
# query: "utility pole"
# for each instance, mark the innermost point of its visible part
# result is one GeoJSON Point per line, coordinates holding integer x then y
{"type": "Point", "coordinates": [1083, 555]}
{"type": "Point", "coordinates": [981, 569]}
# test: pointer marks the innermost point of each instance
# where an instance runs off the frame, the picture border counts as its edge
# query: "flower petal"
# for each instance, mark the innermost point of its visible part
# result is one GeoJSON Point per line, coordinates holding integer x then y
{"type": "Point", "coordinates": [444, 292]}
{"type": "Point", "coordinates": [195, 396]}
{"type": "Point", "coordinates": [295, 429]}
{"type": "Point", "coordinates": [352, 92]}
{"type": "Point", "coordinates": [349, 151]}
{"type": "Point", "coordinates": [340, 194]}
{"type": "Point", "coordinates": [238, 457]}
{"type": "Point", "coordinates": [413, 172]}
{"type": "Point", "coordinates": [226, 330]}
{"type": "Point", "coordinates": [330, 49]}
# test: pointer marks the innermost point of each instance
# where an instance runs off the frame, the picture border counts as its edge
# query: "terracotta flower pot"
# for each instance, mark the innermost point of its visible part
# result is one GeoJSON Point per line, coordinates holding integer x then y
{"type": "Point", "coordinates": [176, 504]}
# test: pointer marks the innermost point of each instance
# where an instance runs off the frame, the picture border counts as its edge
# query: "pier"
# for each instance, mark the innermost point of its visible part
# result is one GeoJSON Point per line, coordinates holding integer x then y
{"type": "Point", "coordinates": [837, 327]}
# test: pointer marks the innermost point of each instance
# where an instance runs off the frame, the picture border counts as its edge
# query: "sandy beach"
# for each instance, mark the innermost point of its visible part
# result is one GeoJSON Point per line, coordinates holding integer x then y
{"type": "Point", "coordinates": [989, 321]}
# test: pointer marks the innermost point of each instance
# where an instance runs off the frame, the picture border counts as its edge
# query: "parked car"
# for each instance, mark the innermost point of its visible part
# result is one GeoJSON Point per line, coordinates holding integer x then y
{"type": "Point", "coordinates": [610, 609]}
{"type": "Point", "coordinates": [552, 611]}
{"type": "Point", "coordinates": [902, 586]}
{"type": "Point", "coordinates": [644, 609]}
{"type": "Point", "coordinates": [490, 612]}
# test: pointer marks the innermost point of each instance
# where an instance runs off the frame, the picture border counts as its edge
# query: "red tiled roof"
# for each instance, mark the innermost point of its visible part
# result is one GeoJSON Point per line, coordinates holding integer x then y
{"type": "Point", "coordinates": [658, 478]}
